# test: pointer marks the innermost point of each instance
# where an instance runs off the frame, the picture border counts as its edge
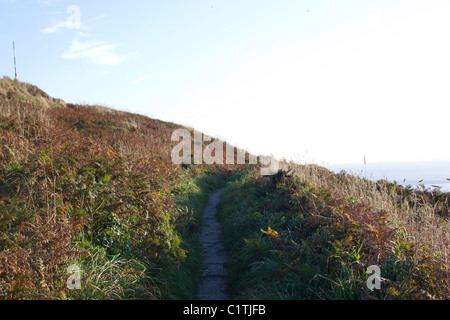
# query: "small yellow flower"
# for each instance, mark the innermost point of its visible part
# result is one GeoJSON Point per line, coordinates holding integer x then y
{"type": "Point", "coordinates": [270, 232]}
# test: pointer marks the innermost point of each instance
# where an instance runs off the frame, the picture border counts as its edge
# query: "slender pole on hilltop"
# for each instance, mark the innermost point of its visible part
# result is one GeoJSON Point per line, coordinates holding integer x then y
{"type": "Point", "coordinates": [15, 67]}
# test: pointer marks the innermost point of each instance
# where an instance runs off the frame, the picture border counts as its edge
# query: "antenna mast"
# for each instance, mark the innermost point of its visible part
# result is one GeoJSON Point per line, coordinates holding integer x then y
{"type": "Point", "coordinates": [15, 67]}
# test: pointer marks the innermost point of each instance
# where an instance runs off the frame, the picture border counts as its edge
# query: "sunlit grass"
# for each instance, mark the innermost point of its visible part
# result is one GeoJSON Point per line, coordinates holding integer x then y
{"type": "Point", "coordinates": [106, 178]}
{"type": "Point", "coordinates": [307, 233]}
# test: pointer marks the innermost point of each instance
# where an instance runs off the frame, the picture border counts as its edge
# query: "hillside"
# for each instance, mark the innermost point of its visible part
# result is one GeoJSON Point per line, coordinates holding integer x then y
{"type": "Point", "coordinates": [307, 233]}
{"type": "Point", "coordinates": [97, 188]}
{"type": "Point", "coordinates": [94, 186]}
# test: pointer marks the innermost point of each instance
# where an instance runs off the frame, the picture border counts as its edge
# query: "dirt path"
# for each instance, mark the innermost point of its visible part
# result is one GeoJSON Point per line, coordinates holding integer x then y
{"type": "Point", "coordinates": [213, 285]}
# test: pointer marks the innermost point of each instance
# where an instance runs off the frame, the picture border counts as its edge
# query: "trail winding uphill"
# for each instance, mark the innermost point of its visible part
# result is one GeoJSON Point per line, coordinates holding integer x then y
{"type": "Point", "coordinates": [213, 286]}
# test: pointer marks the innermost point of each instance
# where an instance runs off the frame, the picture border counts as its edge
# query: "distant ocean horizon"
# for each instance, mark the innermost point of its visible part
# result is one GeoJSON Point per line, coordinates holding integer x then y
{"type": "Point", "coordinates": [427, 173]}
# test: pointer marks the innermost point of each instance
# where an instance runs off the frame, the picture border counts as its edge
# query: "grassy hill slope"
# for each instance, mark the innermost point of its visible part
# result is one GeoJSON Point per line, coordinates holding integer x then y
{"type": "Point", "coordinates": [96, 187]}
{"type": "Point", "coordinates": [307, 233]}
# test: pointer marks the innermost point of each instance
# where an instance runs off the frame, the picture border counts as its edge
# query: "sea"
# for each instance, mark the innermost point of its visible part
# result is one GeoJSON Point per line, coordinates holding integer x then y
{"type": "Point", "coordinates": [431, 174]}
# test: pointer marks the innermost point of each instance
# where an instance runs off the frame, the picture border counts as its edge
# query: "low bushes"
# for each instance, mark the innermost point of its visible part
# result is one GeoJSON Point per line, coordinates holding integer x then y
{"type": "Point", "coordinates": [288, 239]}
{"type": "Point", "coordinates": [94, 187]}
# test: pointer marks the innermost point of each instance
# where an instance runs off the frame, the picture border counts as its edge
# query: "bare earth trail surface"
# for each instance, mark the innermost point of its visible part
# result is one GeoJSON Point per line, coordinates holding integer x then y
{"type": "Point", "coordinates": [213, 286]}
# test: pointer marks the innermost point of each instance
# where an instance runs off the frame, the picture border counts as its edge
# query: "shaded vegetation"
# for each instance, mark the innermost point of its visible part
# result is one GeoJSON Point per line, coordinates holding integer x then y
{"type": "Point", "coordinates": [297, 240]}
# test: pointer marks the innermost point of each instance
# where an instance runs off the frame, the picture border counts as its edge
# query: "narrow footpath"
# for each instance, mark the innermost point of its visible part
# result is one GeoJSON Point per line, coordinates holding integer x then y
{"type": "Point", "coordinates": [212, 286]}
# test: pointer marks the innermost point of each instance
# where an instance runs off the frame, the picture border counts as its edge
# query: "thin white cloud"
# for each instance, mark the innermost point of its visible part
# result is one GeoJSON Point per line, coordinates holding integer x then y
{"type": "Point", "coordinates": [141, 79]}
{"type": "Point", "coordinates": [47, 3]}
{"type": "Point", "coordinates": [68, 24]}
{"type": "Point", "coordinates": [58, 25]}
{"type": "Point", "coordinates": [98, 52]}
{"type": "Point", "coordinates": [95, 18]}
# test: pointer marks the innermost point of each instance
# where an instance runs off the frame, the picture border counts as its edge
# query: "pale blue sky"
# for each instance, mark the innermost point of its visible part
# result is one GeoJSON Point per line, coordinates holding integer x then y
{"type": "Point", "coordinates": [323, 81]}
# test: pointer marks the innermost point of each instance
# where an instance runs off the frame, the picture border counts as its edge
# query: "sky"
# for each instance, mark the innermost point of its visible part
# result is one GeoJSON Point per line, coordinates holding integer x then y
{"type": "Point", "coordinates": [321, 81]}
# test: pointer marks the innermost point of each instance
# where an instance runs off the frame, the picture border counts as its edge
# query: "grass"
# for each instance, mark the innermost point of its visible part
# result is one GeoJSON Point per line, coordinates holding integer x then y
{"type": "Point", "coordinates": [182, 281]}
{"type": "Point", "coordinates": [96, 187]}
{"type": "Point", "coordinates": [422, 215]}
{"type": "Point", "coordinates": [306, 233]}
